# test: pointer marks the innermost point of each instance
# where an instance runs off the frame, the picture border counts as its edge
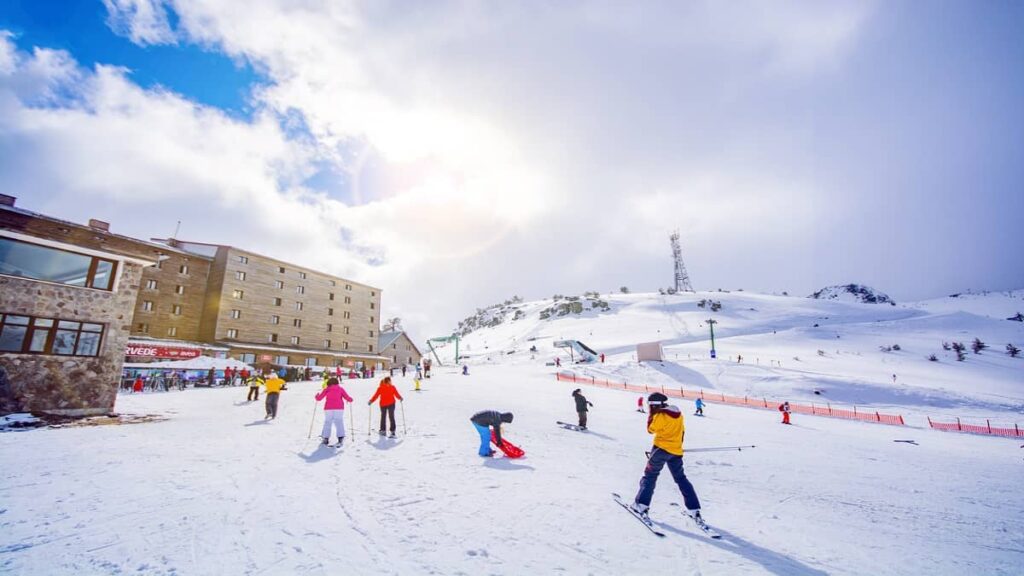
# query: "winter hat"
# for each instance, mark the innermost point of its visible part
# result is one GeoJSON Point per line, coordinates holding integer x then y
{"type": "Point", "coordinates": [506, 417]}
{"type": "Point", "coordinates": [576, 391]}
{"type": "Point", "coordinates": [657, 399]}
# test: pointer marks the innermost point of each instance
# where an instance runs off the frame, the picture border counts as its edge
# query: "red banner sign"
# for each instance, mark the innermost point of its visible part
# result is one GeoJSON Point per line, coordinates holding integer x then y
{"type": "Point", "coordinates": [168, 352]}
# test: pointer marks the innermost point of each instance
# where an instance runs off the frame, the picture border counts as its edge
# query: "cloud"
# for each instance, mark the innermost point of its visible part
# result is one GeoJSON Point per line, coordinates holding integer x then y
{"type": "Point", "coordinates": [484, 149]}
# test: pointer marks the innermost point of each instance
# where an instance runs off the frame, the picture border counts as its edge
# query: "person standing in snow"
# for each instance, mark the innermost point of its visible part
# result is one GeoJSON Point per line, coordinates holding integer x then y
{"type": "Point", "coordinates": [334, 410]}
{"type": "Point", "coordinates": [558, 362]}
{"type": "Point", "coordinates": [700, 407]}
{"type": "Point", "coordinates": [640, 404]}
{"type": "Point", "coordinates": [274, 386]}
{"type": "Point", "coordinates": [784, 408]}
{"type": "Point", "coordinates": [403, 370]}
{"type": "Point", "coordinates": [666, 423]}
{"type": "Point", "coordinates": [254, 383]}
{"type": "Point", "coordinates": [138, 385]}
{"type": "Point", "coordinates": [581, 407]}
{"type": "Point", "coordinates": [465, 370]}
{"type": "Point", "coordinates": [484, 421]}
{"type": "Point", "coordinates": [387, 394]}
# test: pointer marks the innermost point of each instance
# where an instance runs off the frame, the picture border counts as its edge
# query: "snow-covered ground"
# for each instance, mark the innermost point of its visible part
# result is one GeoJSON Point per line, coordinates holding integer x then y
{"type": "Point", "coordinates": [215, 489]}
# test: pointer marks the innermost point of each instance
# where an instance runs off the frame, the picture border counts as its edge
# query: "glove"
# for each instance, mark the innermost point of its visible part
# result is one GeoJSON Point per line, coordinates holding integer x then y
{"type": "Point", "coordinates": [368, 403]}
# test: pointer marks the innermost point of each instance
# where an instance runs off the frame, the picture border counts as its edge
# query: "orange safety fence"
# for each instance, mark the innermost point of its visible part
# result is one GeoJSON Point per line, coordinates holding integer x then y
{"type": "Point", "coordinates": [816, 410]}
{"type": "Point", "coordinates": [987, 428]}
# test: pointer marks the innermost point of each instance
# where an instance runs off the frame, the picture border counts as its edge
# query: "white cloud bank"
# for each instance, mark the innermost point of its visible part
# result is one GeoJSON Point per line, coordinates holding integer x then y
{"type": "Point", "coordinates": [489, 148]}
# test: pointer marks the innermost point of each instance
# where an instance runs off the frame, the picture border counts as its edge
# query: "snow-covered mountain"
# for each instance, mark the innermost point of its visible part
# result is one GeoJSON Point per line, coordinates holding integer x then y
{"type": "Point", "coordinates": [794, 348]}
{"type": "Point", "coordinates": [852, 293]}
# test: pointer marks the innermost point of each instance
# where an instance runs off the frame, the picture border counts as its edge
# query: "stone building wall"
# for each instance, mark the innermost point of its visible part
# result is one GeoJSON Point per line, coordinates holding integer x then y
{"type": "Point", "coordinates": [68, 385]}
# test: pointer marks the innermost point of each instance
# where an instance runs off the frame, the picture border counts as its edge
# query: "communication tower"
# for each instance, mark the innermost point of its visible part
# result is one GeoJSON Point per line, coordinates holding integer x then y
{"type": "Point", "coordinates": [682, 278]}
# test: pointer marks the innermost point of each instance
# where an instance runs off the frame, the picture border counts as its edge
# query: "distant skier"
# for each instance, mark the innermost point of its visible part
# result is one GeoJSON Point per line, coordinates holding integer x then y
{"type": "Point", "coordinates": [558, 362]}
{"type": "Point", "coordinates": [784, 408]}
{"type": "Point", "coordinates": [700, 407]}
{"type": "Point", "coordinates": [403, 370]}
{"type": "Point", "coordinates": [274, 385]}
{"type": "Point", "coordinates": [334, 410]}
{"type": "Point", "coordinates": [602, 357]}
{"type": "Point", "coordinates": [387, 394]}
{"type": "Point", "coordinates": [581, 407]}
{"type": "Point", "coordinates": [640, 404]}
{"type": "Point", "coordinates": [138, 385]}
{"type": "Point", "coordinates": [666, 423]}
{"type": "Point", "coordinates": [484, 421]}
{"type": "Point", "coordinates": [254, 383]}
{"type": "Point", "coordinates": [465, 370]}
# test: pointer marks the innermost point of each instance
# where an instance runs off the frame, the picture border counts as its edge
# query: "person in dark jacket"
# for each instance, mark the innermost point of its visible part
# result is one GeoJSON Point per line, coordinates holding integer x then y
{"type": "Point", "coordinates": [484, 421]}
{"type": "Point", "coordinates": [581, 407]}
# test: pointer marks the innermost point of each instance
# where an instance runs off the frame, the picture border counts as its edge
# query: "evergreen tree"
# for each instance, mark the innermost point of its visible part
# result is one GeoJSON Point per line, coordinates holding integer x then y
{"type": "Point", "coordinates": [978, 346]}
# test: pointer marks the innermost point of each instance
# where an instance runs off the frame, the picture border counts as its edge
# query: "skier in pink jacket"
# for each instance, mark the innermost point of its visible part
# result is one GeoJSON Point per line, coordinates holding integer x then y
{"type": "Point", "coordinates": [334, 410]}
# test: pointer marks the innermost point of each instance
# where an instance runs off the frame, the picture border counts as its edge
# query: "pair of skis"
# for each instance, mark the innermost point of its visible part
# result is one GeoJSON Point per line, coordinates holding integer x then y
{"type": "Point", "coordinates": [569, 426]}
{"type": "Point", "coordinates": [646, 521]}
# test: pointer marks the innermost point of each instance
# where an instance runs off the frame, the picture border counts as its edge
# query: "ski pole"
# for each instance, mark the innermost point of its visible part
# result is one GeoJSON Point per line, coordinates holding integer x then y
{"type": "Point", "coordinates": [351, 420]}
{"type": "Point", "coordinates": [313, 419]}
{"type": "Point", "coordinates": [404, 431]}
{"type": "Point", "coordinates": [719, 449]}
{"type": "Point", "coordinates": [369, 419]}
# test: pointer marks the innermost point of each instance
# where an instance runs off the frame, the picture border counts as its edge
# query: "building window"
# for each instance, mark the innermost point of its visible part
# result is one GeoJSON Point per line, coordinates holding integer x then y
{"type": "Point", "coordinates": [281, 360]}
{"type": "Point", "coordinates": [277, 301]}
{"type": "Point", "coordinates": [52, 265]}
{"type": "Point", "coordinates": [272, 338]}
{"type": "Point", "coordinates": [300, 289]}
{"type": "Point", "coordinates": [236, 314]}
{"type": "Point", "coordinates": [295, 340]}
{"type": "Point", "coordinates": [243, 259]}
{"type": "Point", "coordinates": [345, 345]}
{"type": "Point", "coordinates": [160, 265]}
{"type": "Point", "coordinates": [179, 289]}
{"type": "Point", "coordinates": [176, 310]}
{"type": "Point", "coordinates": [302, 275]}
{"type": "Point", "coordinates": [348, 299]}
{"type": "Point", "coordinates": [333, 283]}
{"type": "Point", "coordinates": [346, 315]}
{"type": "Point", "coordinates": [297, 323]}
{"type": "Point", "coordinates": [346, 329]}
{"type": "Point", "coordinates": [232, 333]}
{"type": "Point", "coordinates": [172, 331]}
{"type": "Point", "coordinates": [330, 311]}
{"type": "Point", "coordinates": [238, 294]}
{"type": "Point", "coordinates": [370, 346]}
{"type": "Point", "coordinates": [371, 333]}
{"type": "Point", "coordinates": [32, 335]}
{"type": "Point", "coordinates": [143, 328]}
{"type": "Point", "coordinates": [330, 296]}
{"type": "Point", "coordinates": [327, 343]}
{"type": "Point", "coordinates": [279, 284]}
{"type": "Point", "coordinates": [246, 357]}
{"type": "Point", "coordinates": [371, 319]}
{"type": "Point", "coordinates": [311, 362]}
{"type": "Point", "coordinates": [280, 269]}
{"type": "Point", "coordinates": [147, 305]}
{"type": "Point", "coordinates": [372, 293]}
{"type": "Point", "coordinates": [330, 327]}
{"type": "Point", "coordinates": [183, 269]}
{"type": "Point", "coordinates": [275, 319]}
{"type": "Point", "coordinates": [348, 286]}
{"type": "Point", "coordinates": [372, 305]}
{"type": "Point", "coordinates": [150, 284]}
{"type": "Point", "coordinates": [298, 306]}
{"type": "Point", "coordinates": [240, 275]}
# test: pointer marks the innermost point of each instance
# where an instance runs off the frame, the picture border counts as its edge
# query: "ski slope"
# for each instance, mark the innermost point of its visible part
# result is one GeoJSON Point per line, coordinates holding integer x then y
{"type": "Point", "coordinates": [209, 487]}
{"type": "Point", "coordinates": [214, 489]}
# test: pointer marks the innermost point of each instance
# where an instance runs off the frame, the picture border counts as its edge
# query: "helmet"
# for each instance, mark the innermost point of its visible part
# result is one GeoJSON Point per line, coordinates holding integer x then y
{"type": "Point", "coordinates": [657, 399]}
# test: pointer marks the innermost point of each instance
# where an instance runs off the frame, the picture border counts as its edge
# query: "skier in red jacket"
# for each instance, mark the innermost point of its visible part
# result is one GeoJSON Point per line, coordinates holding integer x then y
{"type": "Point", "coordinates": [387, 394]}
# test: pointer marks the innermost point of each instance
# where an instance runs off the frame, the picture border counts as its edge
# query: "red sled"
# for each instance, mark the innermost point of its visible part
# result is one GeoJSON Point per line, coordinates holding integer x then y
{"type": "Point", "coordinates": [509, 449]}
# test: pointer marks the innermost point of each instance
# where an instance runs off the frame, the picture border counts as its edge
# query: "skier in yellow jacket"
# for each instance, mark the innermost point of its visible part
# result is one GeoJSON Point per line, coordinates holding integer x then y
{"type": "Point", "coordinates": [666, 423]}
{"type": "Point", "coordinates": [274, 385]}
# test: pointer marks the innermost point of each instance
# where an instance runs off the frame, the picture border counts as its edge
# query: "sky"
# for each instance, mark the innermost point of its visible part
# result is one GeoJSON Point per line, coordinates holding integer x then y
{"type": "Point", "coordinates": [458, 153]}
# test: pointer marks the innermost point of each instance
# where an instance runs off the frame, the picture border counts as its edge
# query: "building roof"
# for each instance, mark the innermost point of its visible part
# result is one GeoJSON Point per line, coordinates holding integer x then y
{"type": "Point", "coordinates": [388, 338]}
